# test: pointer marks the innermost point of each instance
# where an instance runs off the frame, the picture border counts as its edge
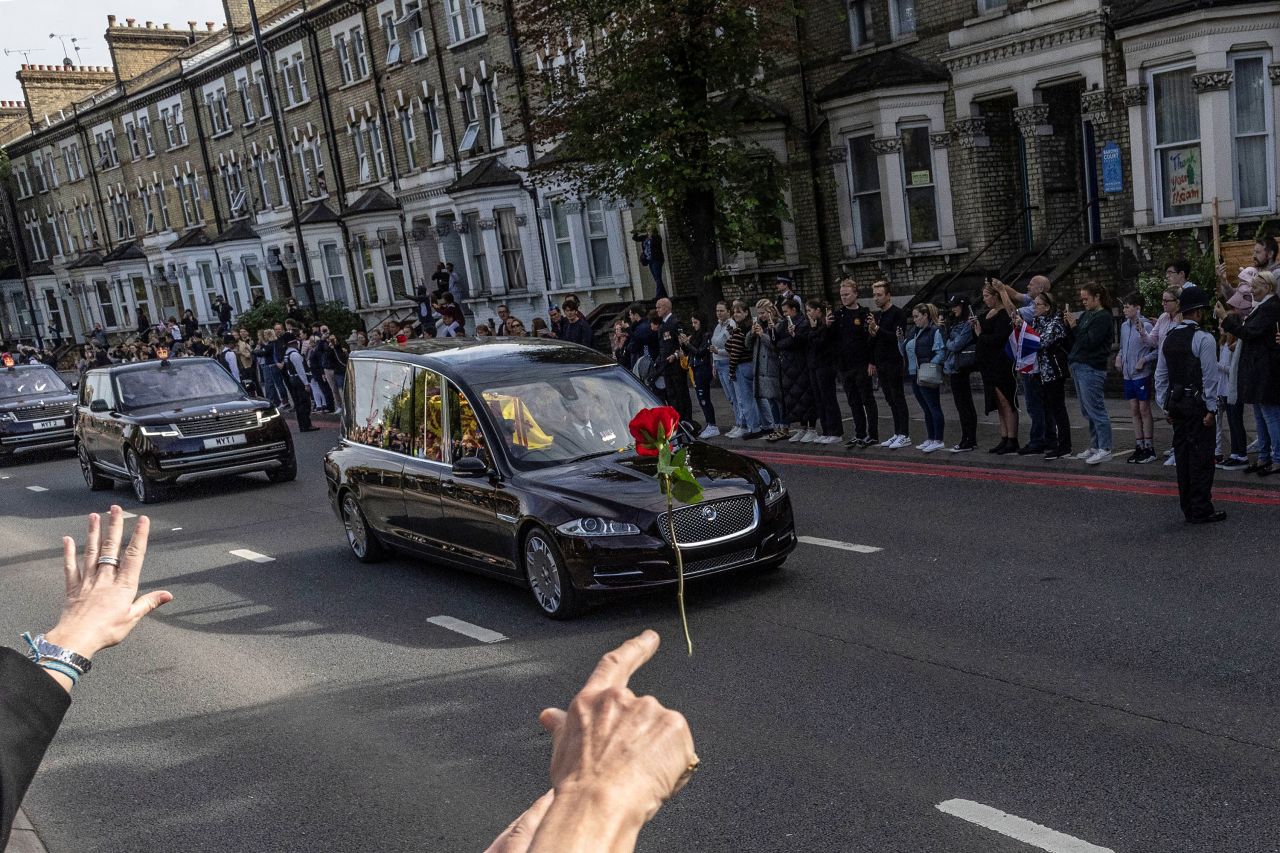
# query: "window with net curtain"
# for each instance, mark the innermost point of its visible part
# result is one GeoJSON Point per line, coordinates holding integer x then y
{"type": "Point", "coordinates": [1176, 146]}
{"type": "Point", "coordinates": [867, 206]}
{"type": "Point", "coordinates": [917, 178]}
{"type": "Point", "coordinates": [1251, 128]}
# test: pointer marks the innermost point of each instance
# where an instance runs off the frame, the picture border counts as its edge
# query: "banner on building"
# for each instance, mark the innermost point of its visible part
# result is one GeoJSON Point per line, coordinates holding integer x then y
{"type": "Point", "coordinates": [1182, 175]}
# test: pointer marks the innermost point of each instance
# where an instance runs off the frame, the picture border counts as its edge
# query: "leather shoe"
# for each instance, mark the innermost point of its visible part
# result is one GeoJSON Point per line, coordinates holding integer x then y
{"type": "Point", "coordinates": [1208, 519]}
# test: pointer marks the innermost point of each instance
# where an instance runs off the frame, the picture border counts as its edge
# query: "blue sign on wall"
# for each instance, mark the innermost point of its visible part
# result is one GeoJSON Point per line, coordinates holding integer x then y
{"type": "Point", "coordinates": [1112, 169]}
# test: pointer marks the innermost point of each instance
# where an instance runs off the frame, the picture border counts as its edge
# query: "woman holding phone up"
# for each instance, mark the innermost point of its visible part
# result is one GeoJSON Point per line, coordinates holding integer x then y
{"type": "Point", "coordinates": [993, 327]}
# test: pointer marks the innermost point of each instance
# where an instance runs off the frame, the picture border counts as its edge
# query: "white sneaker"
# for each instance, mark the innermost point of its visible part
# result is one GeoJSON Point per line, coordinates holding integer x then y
{"type": "Point", "coordinates": [1170, 462]}
{"type": "Point", "coordinates": [710, 432]}
{"type": "Point", "coordinates": [736, 432]}
{"type": "Point", "coordinates": [796, 436]}
{"type": "Point", "coordinates": [1099, 456]}
{"type": "Point", "coordinates": [829, 439]}
{"type": "Point", "coordinates": [888, 441]}
{"type": "Point", "coordinates": [930, 446]}
{"type": "Point", "coordinates": [1086, 453]}
{"type": "Point", "coordinates": [1169, 452]}
{"type": "Point", "coordinates": [809, 436]}
{"type": "Point", "coordinates": [900, 442]}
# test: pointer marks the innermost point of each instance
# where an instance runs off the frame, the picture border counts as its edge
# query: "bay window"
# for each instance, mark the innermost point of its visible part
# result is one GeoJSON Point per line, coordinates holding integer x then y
{"type": "Point", "coordinates": [1251, 129]}
{"type": "Point", "coordinates": [867, 204]}
{"type": "Point", "coordinates": [917, 179]}
{"type": "Point", "coordinates": [564, 246]}
{"type": "Point", "coordinates": [1175, 120]}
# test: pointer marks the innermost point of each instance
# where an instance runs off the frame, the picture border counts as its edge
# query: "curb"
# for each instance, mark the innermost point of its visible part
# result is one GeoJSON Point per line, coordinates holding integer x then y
{"type": "Point", "coordinates": [24, 838]}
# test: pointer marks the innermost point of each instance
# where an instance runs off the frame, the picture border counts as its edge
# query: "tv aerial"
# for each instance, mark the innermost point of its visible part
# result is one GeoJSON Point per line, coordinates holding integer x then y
{"type": "Point", "coordinates": [75, 45]}
{"type": "Point", "coordinates": [25, 51]}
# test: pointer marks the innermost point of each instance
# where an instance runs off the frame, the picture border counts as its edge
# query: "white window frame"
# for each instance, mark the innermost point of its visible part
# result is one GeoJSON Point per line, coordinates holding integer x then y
{"type": "Point", "coordinates": [565, 241]}
{"type": "Point", "coordinates": [23, 181]}
{"type": "Point", "coordinates": [932, 185]}
{"type": "Point", "coordinates": [162, 203]}
{"type": "Point", "coordinates": [246, 100]}
{"type": "Point", "coordinates": [334, 274]}
{"type": "Point", "coordinates": [417, 36]}
{"type": "Point", "coordinates": [264, 98]}
{"type": "Point", "coordinates": [293, 69]}
{"type": "Point", "coordinates": [345, 66]}
{"type": "Point", "coordinates": [148, 211]}
{"type": "Point", "coordinates": [409, 133]}
{"type": "Point", "coordinates": [431, 111]}
{"type": "Point", "coordinates": [144, 129]}
{"type": "Point", "coordinates": [477, 256]}
{"type": "Point", "coordinates": [392, 36]}
{"type": "Point", "coordinates": [855, 195]}
{"type": "Point", "coordinates": [456, 18]}
{"type": "Point", "coordinates": [493, 115]}
{"type": "Point", "coordinates": [475, 17]}
{"type": "Point", "coordinates": [986, 7]}
{"type": "Point", "coordinates": [859, 15]}
{"type": "Point", "coordinates": [131, 133]}
{"type": "Point", "coordinates": [514, 274]}
{"type": "Point", "coordinates": [51, 167]}
{"type": "Point", "coordinates": [1269, 132]}
{"type": "Point", "coordinates": [594, 236]}
{"type": "Point", "coordinates": [1153, 147]}
{"type": "Point", "coordinates": [471, 129]}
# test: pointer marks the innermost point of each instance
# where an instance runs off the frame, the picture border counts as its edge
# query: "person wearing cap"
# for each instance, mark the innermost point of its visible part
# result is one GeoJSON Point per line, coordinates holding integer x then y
{"type": "Point", "coordinates": [1187, 391]}
{"type": "Point", "coordinates": [1259, 369]}
{"type": "Point", "coordinates": [784, 283]}
{"type": "Point", "coordinates": [295, 373]}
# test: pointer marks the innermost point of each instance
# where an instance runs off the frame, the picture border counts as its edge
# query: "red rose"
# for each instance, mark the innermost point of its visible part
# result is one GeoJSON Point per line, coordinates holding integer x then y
{"type": "Point", "coordinates": [651, 427]}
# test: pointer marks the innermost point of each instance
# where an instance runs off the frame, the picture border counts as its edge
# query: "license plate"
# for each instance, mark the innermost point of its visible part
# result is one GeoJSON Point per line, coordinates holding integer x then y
{"type": "Point", "coordinates": [225, 440]}
{"type": "Point", "coordinates": [49, 424]}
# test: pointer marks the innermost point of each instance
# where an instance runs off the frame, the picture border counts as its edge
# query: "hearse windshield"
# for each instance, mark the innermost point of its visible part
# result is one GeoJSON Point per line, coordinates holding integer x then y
{"type": "Point", "coordinates": [564, 417]}
{"type": "Point", "coordinates": [30, 382]}
{"type": "Point", "coordinates": [175, 384]}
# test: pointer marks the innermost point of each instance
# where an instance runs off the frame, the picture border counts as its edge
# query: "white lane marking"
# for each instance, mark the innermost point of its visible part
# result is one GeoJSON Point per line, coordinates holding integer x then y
{"type": "Point", "coordinates": [843, 546]}
{"type": "Point", "coordinates": [253, 556]}
{"type": "Point", "coordinates": [475, 632]}
{"type": "Point", "coordinates": [36, 489]}
{"type": "Point", "coordinates": [175, 528]}
{"type": "Point", "coordinates": [1018, 828]}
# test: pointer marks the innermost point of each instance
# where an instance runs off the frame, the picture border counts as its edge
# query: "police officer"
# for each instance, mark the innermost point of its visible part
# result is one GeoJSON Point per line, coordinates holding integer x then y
{"type": "Point", "coordinates": [1187, 390]}
{"type": "Point", "coordinates": [295, 374]}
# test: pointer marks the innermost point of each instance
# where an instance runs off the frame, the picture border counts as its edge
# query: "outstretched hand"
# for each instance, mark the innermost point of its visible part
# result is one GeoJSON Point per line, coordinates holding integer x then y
{"type": "Point", "coordinates": [102, 604]}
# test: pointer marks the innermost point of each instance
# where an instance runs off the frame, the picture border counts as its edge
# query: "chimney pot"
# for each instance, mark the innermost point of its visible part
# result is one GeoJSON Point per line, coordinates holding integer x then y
{"type": "Point", "coordinates": [111, 20]}
{"type": "Point", "coordinates": [150, 25]}
{"type": "Point", "coordinates": [209, 25]}
{"type": "Point", "coordinates": [166, 26]}
{"type": "Point", "coordinates": [130, 21]}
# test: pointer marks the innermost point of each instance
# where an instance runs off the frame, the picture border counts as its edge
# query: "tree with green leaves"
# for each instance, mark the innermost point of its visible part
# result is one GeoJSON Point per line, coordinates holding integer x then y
{"type": "Point", "coordinates": [651, 102]}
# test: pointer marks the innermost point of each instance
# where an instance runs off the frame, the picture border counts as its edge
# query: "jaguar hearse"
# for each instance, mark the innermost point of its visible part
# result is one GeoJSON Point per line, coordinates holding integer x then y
{"type": "Point", "coordinates": [36, 408]}
{"type": "Point", "coordinates": [514, 459]}
{"type": "Point", "coordinates": [156, 423]}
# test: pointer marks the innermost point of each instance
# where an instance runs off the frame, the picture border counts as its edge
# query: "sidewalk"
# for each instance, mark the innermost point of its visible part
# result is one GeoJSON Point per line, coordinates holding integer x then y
{"type": "Point", "coordinates": [989, 436]}
{"type": "Point", "coordinates": [24, 838]}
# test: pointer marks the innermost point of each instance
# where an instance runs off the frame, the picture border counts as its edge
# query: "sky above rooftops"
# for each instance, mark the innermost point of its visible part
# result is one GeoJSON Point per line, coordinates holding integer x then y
{"type": "Point", "coordinates": [28, 23]}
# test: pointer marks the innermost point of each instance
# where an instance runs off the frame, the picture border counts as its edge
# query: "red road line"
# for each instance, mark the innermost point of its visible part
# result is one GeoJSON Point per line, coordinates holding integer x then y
{"type": "Point", "coordinates": [1010, 476]}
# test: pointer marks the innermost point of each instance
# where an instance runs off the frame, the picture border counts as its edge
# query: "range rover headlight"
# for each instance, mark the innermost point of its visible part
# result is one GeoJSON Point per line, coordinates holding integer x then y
{"type": "Point", "coordinates": [775, 492]}
{"type": "Point", "coordinates": [597, 527]}
{"type": "Point", "coordinates": [268, 415]}
{"type": "Point", "coordinates": [161, 431]}
{"type": "Point", "coordinates": [8, 417]}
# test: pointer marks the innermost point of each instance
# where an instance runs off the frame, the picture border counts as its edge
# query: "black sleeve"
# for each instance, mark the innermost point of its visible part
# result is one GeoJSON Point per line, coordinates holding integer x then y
{"type": "Point", "coordinates": [31, 708]}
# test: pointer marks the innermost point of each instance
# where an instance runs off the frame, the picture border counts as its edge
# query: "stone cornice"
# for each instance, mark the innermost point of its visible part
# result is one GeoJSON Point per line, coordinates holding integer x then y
{"type": "Point", "coordinates": [1134, 96]}
{"type": "Point", "coordinates": [940, 140]}
{"type": "Point", "coordinates": [887, 145]}
{"type": "Point", "coordinates": [1031, 118]}
{"type": "Point", "coordinates": [1095, 102]}
{"type": "Point", "coordinates": [1082, 28]}
{"type": "Point", "coordinates": [970, 132]}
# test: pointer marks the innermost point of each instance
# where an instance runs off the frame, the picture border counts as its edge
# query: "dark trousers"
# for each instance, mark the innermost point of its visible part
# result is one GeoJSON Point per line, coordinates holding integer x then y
{"type": "Point", "coordinates": [1041, 437]}
{"type": "Point", "coordinates": [702, 384]}
{"type": "Point", "coordinates": [862, 402]}
{"type": "Point", "coordinates": [823, 381]}
{"type": "Point", "coordinates": [1235, 425]}
{"type": "Point", "coordinates": [895, 395]}
{"type": "Point", "coordinates": [301, 395]}
{"type": "Point", "coordinates": [676, 394]}
{"type": "Point", "coordinates": [326, 393]}
{"type": "Point", "coordinates": [1193, 449]}
{"type": "Point", "coordinates": [962, 393]}
{"type": "Point", "coordinates": [1058, 425]}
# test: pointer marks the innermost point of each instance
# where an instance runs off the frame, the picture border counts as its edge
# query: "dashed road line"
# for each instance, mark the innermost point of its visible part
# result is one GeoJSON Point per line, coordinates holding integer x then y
{"type": "Point", "coordinates": [1018, 828]}
{"type": "Point", "coordinates": [842, 546]}
{"type": "Point", "coordinates": [475, 632]}
{"type": "Point", "coordinates": [36, 489]}
{"type": "Point", "coordinates": [252, 556]}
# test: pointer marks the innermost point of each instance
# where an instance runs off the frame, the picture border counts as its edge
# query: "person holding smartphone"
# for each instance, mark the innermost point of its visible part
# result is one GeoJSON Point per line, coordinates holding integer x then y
{"type": "Point", "coordinates": [1258, 374]}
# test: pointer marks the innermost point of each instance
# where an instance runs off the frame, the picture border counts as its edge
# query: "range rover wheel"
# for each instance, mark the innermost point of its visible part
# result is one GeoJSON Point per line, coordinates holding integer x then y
{"type": "Point", "coordinates": [95, 481]}
{"type": "Point", "coordinates": [364, 543]}
{"type": "Point", "coordinates": [548, 579]}
{"type": "Point", "coordinates": [285, 473]}
{"type": "Point", "coordinates": [145, 489]}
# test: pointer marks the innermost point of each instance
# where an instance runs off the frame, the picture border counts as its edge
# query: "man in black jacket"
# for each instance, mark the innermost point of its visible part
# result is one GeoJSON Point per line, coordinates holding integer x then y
{"type": "Point", "coordinates": [101, 608]}
{"type": "Point", "coordinates": [852, 326]}
{"type": "Point", "coordinates": [675, 378]}
{"type": "Point", "coordinates": [888, 325]}
{"type": "Point", "coordinates": [576, 328]}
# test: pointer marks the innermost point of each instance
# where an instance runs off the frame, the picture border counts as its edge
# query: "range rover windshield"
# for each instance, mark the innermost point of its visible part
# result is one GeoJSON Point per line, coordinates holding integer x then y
{"type": "Point", "coordinates": [176, 384]}
{"type": "Point", "coordinates": [30, 382]}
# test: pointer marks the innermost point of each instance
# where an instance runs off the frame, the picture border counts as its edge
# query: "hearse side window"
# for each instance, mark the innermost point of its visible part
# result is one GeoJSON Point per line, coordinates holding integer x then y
{"type": "Point", "coordinates": [383, 413]}
{"type": "Point", "coordinates": [429, 440]}
{"type": "Point", "coordinates": [465, 436]}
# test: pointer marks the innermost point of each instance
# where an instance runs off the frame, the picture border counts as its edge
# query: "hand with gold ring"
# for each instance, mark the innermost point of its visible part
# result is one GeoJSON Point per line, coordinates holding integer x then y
{"type": "Point", "coordinates": [102, 604]}
{"type": "Point", "coordinates": [616, 758]}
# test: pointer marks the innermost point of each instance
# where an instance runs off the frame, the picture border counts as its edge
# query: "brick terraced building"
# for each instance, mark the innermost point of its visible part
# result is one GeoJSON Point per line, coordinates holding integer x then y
{"type": "Point", "coordinates": [918, 139]}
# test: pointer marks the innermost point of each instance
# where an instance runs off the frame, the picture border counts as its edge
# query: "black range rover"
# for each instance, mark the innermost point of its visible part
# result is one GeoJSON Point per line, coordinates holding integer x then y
{"type": "Point", "coordinates": [514, 459]}
{"type": "Point", "coordinates": [156, 423]}
{"type": "Point", "coordinates": [36, 409]}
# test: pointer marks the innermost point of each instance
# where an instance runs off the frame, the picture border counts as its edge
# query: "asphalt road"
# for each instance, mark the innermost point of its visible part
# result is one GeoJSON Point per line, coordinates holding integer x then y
{"type": "Point", "coordinates": [1073, 657]}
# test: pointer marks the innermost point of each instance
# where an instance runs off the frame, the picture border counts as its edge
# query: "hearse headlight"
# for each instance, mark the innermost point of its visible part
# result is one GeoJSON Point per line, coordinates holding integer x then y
{"type": "Point", "coordinates": [597, 527]}
{"type": "Point", "coordinates": [267, 415]}
{"type": "Point", "coordinates": [775, 492]}
{"type": "Point", "coordinates": [161, 431]}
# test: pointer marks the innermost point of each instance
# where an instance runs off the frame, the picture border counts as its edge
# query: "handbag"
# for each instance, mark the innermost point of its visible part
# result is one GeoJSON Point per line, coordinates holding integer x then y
{"type": "Point", "coordinates": [929, 375]}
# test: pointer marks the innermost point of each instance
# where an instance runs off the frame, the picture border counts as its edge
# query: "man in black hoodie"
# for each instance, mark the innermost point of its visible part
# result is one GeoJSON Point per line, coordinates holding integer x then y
{"type": "Point", "coordinates": [888, 325]}
{"type": "Point", "coordinates": [852, 325]}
